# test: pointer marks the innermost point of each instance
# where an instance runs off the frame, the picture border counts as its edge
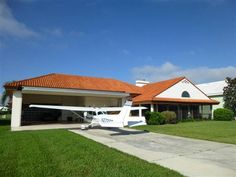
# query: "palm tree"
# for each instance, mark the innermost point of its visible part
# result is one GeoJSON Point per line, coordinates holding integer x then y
{"type": "Point", "coordinates": [4, 98]}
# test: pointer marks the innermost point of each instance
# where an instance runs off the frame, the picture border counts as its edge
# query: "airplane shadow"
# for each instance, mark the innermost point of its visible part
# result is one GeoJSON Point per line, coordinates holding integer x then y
{"type": "Point", "coordinates": [118, 132]}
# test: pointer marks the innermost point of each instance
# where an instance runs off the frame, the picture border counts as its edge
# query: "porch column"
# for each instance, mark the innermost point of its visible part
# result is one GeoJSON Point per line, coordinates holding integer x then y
{"type": "Point", "coordinates": [140, 112]}
{"type": "Point", "coordinates": [202, 111]}
{"type": "Point", "coordinates": [211, 113]}
{"type": "Point", "coordinates": [16, 109]}
{"type": "Point", "coordinates": [189, 113]}
{"type": "Point", "coordinates": [152, 107]}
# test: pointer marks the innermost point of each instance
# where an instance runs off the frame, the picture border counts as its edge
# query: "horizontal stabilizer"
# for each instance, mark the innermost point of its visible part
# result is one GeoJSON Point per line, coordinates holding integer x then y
{"type": "Point", "coordinates": [133, 121]}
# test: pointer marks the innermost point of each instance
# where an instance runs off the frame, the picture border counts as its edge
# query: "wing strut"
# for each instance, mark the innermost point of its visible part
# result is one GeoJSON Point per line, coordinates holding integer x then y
{"type": "Point", "coordinates": [84, 118]}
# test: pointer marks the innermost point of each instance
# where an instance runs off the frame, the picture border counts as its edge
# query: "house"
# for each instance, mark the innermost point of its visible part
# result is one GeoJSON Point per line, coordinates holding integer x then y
{"type": "Point", "coordinates": [215, 91]}
{"type": "Point", "coordinates": [178, 94]}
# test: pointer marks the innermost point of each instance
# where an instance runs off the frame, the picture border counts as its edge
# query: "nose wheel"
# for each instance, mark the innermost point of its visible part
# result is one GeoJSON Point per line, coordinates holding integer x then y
{"type": "Point", "coordinates": [83, 127]}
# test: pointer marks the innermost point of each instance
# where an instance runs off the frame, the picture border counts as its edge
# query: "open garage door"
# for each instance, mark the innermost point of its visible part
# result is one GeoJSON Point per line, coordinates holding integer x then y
{"type": "Point", "coordinates": [39, 116]}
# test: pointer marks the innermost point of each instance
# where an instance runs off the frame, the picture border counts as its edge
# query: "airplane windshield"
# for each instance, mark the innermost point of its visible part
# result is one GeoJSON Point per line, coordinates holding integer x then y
{"type": "Point", "coordinates": [101, 112]}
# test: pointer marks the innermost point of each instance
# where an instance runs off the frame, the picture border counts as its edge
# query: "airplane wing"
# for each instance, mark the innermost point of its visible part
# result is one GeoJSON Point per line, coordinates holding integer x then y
{"type": "Point", "coordinates": [69, 108]}
{"type": "Point", "coordinates": [83, 109]}
{"type": "Point", "coordinates": [110, 109]}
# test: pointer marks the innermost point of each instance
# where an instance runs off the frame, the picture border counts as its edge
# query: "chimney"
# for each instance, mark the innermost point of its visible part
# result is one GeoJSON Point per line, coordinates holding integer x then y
{"type": "Point", "coordinates": [141, 83]}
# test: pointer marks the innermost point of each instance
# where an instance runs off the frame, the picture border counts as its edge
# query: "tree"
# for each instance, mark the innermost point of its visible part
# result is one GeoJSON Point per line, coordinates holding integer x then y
{"type": "Point", "coordinates": [230, 94]}
{"type": "Point", "coordinates": [4, 98]}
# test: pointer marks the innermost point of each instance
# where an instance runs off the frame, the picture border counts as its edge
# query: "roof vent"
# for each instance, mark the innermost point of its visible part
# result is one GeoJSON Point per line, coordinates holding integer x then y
{"type": "Point", "coordinates": [141, 83]}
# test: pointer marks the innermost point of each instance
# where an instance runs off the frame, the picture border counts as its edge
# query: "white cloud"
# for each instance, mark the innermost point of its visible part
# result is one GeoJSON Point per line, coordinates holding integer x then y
{"type": "Point", "coordinates": [10, 26]}
{"type": "Point", "coordinates": [169, 70]}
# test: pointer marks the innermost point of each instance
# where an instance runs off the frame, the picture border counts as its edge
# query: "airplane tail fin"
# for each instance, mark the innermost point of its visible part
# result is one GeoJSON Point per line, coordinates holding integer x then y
{"type": "Point", "coordinates": [133, 120]}
{"type": "Point", "coordinates": [125, 111]}
{"type": "Point", "coordinates": [117, 120]}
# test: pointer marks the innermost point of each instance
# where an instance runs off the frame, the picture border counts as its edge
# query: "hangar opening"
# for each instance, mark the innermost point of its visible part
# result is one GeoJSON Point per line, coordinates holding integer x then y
{"type": "Point", "coordinates": [32, 116]}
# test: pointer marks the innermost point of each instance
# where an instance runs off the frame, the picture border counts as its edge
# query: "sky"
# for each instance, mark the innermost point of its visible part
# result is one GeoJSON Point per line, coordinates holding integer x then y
{"type": "Point", "coordinates": [122, 39]}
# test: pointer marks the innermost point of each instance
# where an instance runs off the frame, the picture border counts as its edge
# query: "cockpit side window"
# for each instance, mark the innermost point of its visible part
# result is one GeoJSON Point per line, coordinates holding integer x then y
{"type": "Point", "coordinates": [99, 112]}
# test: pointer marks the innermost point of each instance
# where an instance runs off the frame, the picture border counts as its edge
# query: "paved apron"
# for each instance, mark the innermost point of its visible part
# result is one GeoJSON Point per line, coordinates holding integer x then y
{"type": "Point", "coordinates": [190, 157]}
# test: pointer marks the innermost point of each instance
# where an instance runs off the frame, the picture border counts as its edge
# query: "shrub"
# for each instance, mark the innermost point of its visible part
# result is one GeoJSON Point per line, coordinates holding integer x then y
{"type": "Point", "coordinates": [156, 118]}
{"type": "Point", "coordinates": [170, 117]}
{"type": "Point", "coordinates": [147, 115]}
{"type": "Point", "coordinates": [223, 114]}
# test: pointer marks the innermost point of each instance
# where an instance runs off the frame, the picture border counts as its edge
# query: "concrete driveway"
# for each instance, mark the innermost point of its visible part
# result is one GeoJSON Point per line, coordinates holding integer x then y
{"type": "Point", "coordinates": [190, 157]}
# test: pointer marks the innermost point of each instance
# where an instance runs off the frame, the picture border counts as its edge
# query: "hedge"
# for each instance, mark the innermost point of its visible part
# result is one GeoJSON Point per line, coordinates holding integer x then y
{"type": "Point", "coordinates": [223, 114]}
{"type": "Point", "coordinates": [170, 117]}
{"type": "Point", "coordinates": [155, 118]}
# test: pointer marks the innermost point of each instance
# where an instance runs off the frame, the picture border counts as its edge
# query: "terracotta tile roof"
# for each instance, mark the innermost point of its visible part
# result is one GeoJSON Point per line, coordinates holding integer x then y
{"type": "Point", "coordinates": [146, 93]}
{"type": "Point", "coordinates": [186, 100]}
{"type": "Point", "coordinates": [75, 82]}
{"type": "Point", "coordinates": [149, 92]}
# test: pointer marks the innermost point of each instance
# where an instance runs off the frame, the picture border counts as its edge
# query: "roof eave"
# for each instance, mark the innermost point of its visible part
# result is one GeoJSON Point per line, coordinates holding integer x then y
{"type": "Point", "coordinates": [169, 100]}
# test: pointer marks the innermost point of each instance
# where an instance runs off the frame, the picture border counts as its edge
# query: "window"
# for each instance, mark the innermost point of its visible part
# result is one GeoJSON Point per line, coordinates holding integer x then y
{"type": "Point", "coordinates": [185, 94]}
{"type": "Point", "coordinates": [100, 113]}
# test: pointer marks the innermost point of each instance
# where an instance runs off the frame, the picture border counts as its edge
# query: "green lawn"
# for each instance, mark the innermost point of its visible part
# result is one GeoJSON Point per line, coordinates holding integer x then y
{"type": "Point", "coordinates": [63, 153]}
{"type": "Point", "coordinates": [220, 131]}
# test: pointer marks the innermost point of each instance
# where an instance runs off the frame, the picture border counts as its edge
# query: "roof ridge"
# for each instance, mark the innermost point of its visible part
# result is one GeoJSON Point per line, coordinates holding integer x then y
{"type": "Point", "coordinates": [151, 90]}
{"type": "Point", "coordinates": [96, 78]}
{"type": "Point", "coordinates": [176, 78]}
{"type": "Point", "coordinates": [23, 80]}
{"type": "Point", "coordinates": [153, 83]}
{"type": "Point", "coordinates": [59, 80]}
{"type": "Point", "coordinates": [64, 74]}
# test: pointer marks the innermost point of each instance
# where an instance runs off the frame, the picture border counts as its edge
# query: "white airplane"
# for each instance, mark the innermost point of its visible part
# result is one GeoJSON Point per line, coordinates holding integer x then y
{"type": "Point", "coordinates": [100, 116]}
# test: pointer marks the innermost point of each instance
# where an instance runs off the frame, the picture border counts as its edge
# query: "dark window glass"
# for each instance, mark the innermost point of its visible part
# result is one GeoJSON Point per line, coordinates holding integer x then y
{"type": "Point", "coordinates": [99, 113]}
{"type": "Point", "coordinates": [185, 94]}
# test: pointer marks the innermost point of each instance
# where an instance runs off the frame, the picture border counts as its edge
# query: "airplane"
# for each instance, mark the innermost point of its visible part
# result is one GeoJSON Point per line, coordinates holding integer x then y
{"type": "Point", "coordinates": [100, 116]}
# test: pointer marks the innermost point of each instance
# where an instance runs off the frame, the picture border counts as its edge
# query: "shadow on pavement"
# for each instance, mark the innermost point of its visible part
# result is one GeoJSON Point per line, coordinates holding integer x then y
{"type": "Point", "coordinates": [115, 131]}
{"type": "Point", "coordinates": [118, 131]}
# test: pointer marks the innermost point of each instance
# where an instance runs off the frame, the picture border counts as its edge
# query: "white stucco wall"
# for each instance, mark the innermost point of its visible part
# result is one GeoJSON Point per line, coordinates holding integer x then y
{"type": "Point", "coordinates": [220, 99]}
{"type": "Point", "coordinates": [70, 101]}
{"type": "Point", "coordinates": [16, 109]}
{"type": "Point", "coordinates": [184, 85]}
{"type": "Point", "coordinates": [102, 102]}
